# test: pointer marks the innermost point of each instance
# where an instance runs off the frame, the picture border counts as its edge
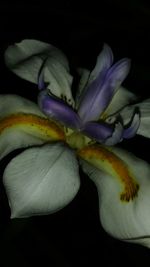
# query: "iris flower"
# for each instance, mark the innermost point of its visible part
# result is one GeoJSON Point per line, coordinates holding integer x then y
{"type": "Point", "coordinates": [61, 133]}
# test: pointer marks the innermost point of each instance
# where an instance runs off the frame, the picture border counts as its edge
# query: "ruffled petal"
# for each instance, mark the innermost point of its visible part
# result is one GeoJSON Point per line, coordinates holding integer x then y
{"type": "Point", "coordinates": [41, 180]}
{"type": "Point", "coordinates": [22, 124]}
{"type": "Point", "coordinates": [144, 109]}
{"type": "Point", "coordinates": [127, 219]}
{"type": "Point", "coordinates": [28, 57]}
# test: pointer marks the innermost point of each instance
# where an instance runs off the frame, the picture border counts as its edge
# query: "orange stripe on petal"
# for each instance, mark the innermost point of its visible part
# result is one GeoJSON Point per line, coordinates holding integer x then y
{"type": "Point", "coordinates": [36, 125]}
{"type": "Point", "coordinates": [106, 160]}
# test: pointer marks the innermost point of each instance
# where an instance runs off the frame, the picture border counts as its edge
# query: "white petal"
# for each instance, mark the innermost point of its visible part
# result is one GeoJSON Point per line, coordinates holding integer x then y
{"type": "Point", "coordinates": [144, 107]}
{"type": "Point", "coordinates": [13, 139]}
{"type": "Point", "coordinates": [84, 73]}
{"type": "Point", "coordinates": [128, 221]}
{"type": "Point", "coordinates": [26, 58]}
{"type": "Point", "coordinates": [41, 180]}
{"type": "Point", "coordinates": [122, 98]}
{"type": "Point", "coordinates": [27, 48]}
{"type": "Point", "coordinates": [12, 136]}
{"type": "Point", "coordinates": [10, 104]}
{"type": "Point", "coordinates": [59, 80]}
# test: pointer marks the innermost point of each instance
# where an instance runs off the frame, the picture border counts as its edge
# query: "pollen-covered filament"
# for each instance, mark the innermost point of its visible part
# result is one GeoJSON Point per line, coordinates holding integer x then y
{"type": "Point", "coordinates": [106, 160]}
{"type": "Point", "coordinates": [38, 126]}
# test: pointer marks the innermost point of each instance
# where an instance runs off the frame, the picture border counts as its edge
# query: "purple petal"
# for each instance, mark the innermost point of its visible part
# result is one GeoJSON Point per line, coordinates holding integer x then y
{"type": "Point", "coordinates": [56, 109]}
{"type": "Point", "coordinates": [100, 92]}
{"type": "Point", "coordinates": [117, 135]}
{"type": "Point", "coordinates": [133, 126]}
{"type": "Point", "coordinates": [41, 83]}
{"type": "Point", "coordinates": [117, 73]}
{"type": "Point", "coordinates": [98, 130]}
{"type": "Point", "coordinates": [104, 62]}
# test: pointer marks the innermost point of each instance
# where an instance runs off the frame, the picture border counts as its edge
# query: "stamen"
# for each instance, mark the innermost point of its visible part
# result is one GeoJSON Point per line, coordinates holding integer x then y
{"type": "Point", "coordinates": [106, 160]}
{"type": "Point", "coordinates": [41, 127]}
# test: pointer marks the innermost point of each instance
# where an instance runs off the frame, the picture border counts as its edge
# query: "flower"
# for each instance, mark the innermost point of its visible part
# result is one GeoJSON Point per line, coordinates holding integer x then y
{"type": "Point", "coordinates": [63, 132]}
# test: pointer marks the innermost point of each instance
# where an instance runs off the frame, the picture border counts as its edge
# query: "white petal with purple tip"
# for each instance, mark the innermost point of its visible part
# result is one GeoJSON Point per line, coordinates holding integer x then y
{"type": "Point", "coordinates": [132, 129]}
{"type": "Point", "coordinates": [117, 135]}
{"type": "Point", "coordinates": [144, 108]}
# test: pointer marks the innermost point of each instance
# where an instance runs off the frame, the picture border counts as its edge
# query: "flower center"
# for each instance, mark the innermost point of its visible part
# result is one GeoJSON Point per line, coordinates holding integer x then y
{"type": "Point", "coordinates": [106, 160]}
{"type": "Point", "coordinates": [77, 140]}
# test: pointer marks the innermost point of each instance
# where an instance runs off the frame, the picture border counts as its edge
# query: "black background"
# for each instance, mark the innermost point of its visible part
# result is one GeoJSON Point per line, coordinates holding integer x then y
{"type": "Point", "coordinates": [74, 236]}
